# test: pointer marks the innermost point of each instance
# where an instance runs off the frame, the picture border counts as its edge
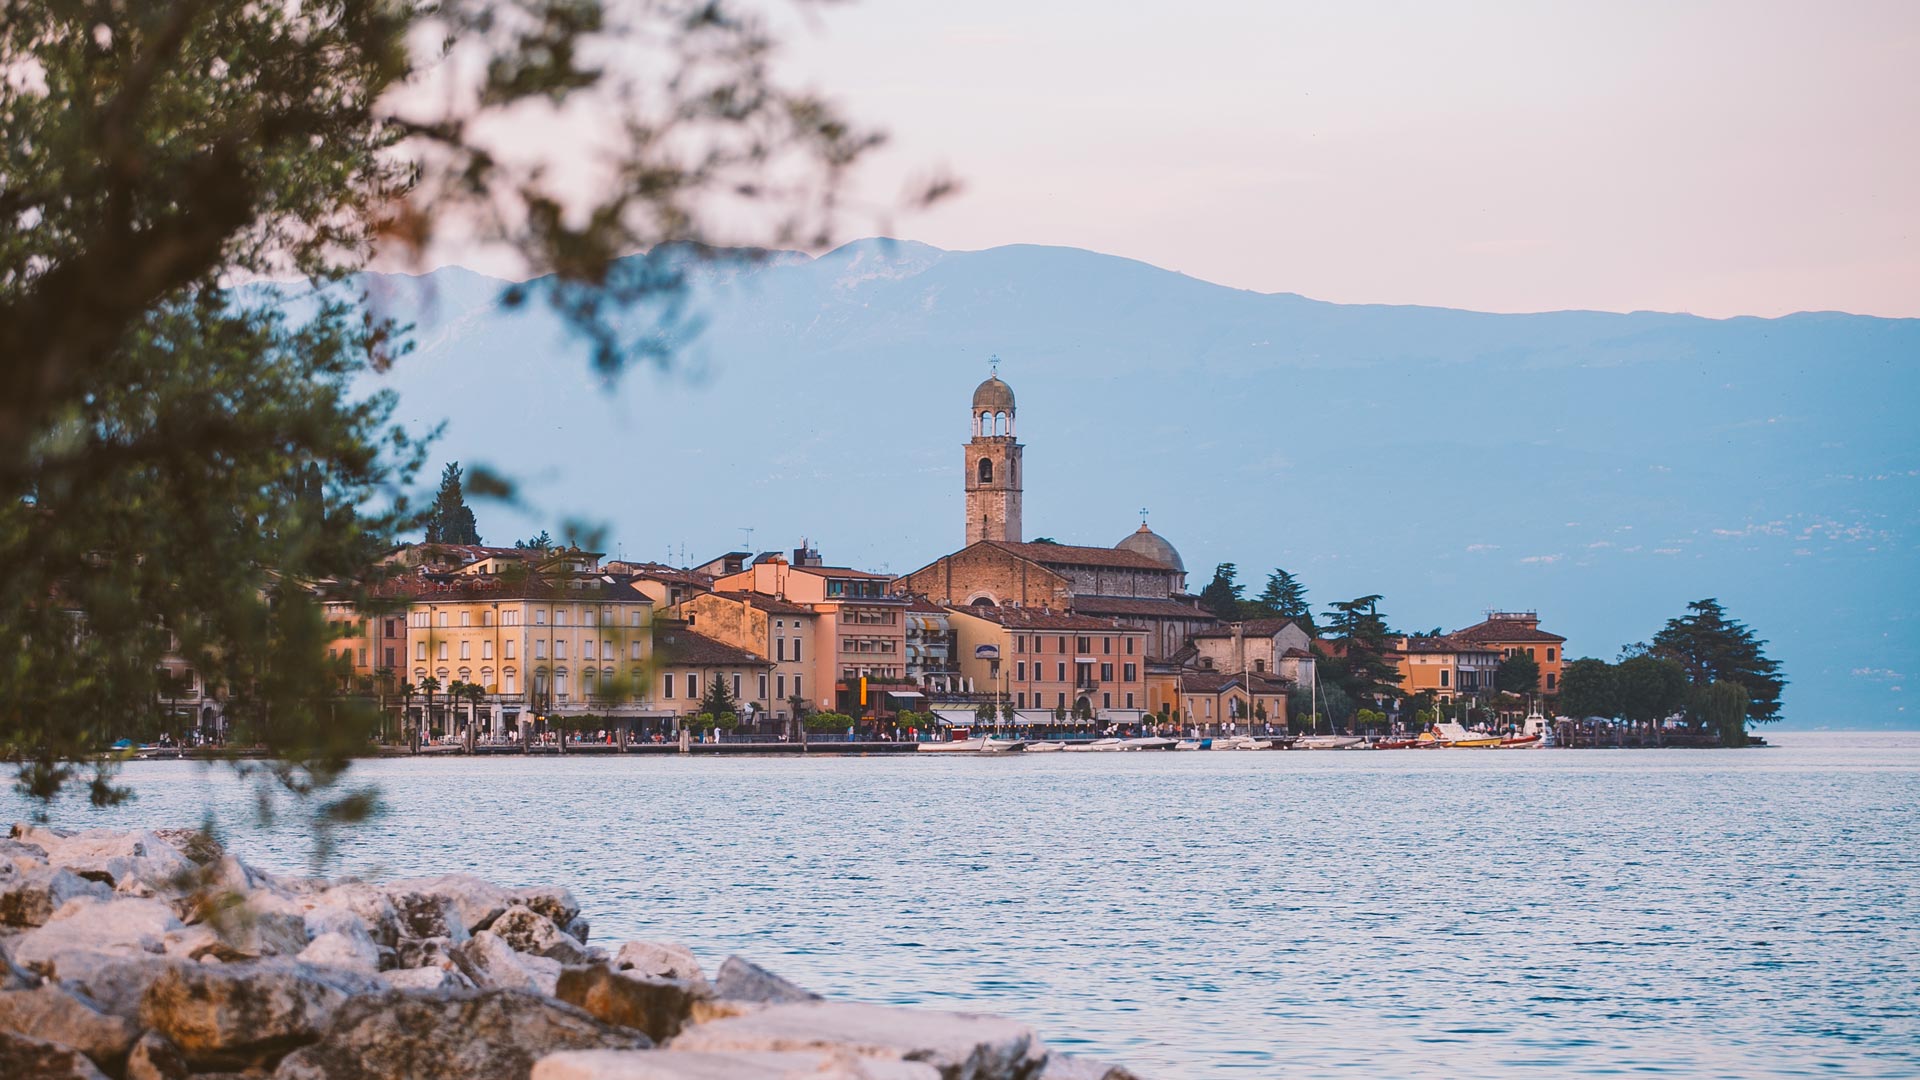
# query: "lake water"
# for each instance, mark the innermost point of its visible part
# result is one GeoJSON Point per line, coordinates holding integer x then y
{"type": "Point", "coordinates": [1414, 914]}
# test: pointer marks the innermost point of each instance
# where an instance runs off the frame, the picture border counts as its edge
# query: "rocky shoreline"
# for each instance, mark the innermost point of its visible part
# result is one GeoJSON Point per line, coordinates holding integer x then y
{"type": "Point", "coordinates": [157, 955]}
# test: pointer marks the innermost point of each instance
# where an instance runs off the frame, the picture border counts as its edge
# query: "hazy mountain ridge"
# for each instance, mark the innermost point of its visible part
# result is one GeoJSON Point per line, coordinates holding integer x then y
{"type": "Point", "coordinates": [1602, 467]}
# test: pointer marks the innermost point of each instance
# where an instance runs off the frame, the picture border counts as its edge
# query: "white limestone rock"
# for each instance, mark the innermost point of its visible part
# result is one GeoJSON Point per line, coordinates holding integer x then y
{"type": "Point", "coordinates": [476, 900]}
{"type": "Point", "coordinates": [231, 1015]}
{"type": "Point", "coordinates": [30, 897]}
{"type": "Point", "coordinates": [355, 952]}
{"type": "Point", "coordinates": [493, 964]}
{"type": "Point", "coordinates": [530, 932]}
{"type": "Point", "coordinates": [56, 1014]}
{"type": "Point", "coordinates": [122, 926]}
{"type": "Point", "coordinates": [662, 960]}
{"type": "Point", "coordinates": [961, 1046]}
{"type": "Point", "coordinates": [695, 1065]}
{"type": "Point", "coordinates": [427, 979]}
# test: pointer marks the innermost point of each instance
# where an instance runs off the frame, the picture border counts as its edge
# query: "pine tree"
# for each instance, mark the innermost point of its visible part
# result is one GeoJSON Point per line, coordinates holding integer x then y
{"type": "Point", "coordinates": [1285, 598]}
{"type": "Point", "coordinates": [1363, 668]}
{"type": "Point", "coordinates": [451, 521]}
{"type": "Point", "coordinates": [1222, 594]}
{"type": "Point", "coordinates": [543, 542]}
{"type": "Point", "coordinates": [1713, 648]}
{"type": "Point", "coordinates": [718, 700]}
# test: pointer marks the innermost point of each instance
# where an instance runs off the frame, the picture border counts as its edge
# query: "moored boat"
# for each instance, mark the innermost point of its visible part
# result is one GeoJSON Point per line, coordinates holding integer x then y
{"type": "Point", "coordinates": [996, 745]}
{"type": "Point", "coordinates": [1327, 742]}
{"type": "Point", "coordinates": [953, 746]}
{"type": "Point", "coordinates": [1045, 747]}
{"type": "Point", "coordinates": [1150, 742]}
{"type": "Point", "coordinates": [1194, 744]}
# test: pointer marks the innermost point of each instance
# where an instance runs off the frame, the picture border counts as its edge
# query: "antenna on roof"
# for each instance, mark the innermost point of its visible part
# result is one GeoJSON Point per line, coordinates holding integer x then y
{"type": "Point", "coordinates": [748, 529]}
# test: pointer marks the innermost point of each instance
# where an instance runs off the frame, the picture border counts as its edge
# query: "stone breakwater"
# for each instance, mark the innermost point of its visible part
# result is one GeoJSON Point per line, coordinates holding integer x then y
{"type": "Point", "coordinates": [160, 956]}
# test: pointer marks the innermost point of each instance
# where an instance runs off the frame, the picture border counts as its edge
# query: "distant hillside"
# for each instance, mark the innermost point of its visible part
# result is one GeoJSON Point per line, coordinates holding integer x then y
{"type": "Point", "coordinates": [1603, 468]}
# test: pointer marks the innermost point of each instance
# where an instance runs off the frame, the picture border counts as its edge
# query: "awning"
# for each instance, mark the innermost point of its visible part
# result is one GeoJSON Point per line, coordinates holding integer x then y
{"type": "Point", "coordinates": [905, 694]}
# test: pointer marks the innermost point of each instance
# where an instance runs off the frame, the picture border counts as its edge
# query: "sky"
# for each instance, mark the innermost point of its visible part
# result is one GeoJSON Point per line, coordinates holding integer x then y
{"type": "Point", "coordinates": [1715, 158]}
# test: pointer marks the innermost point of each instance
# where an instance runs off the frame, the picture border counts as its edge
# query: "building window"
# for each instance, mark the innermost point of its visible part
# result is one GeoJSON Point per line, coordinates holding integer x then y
{"type": "Point", "coordinates": [1106, 672]}
{"type": "Point", "coordinates": [986, 470]}
{"type": "Point", "coordinates": [1129, 701]}
{"type": "Point", "coordinates": [560, 649]}
{"type": "Point", "coordinates": [466, 618]}
{"type": "Point", "coordinates": [1106, 645]}
{"type": "Point", "coordinates": [419, 650]}
{"type": "Point", "coordinates": [510, 618]}
{"type": "Point", "coordinates": [1259, 665]}
{"type": "Point", "coordinates": [635, 650]}
{"type": "Point", "coordinates": [666, 685]}
{"type": "Point", "coordinates": [1549, 656]}
{"type": "Point", "coordinates": [1129, 673]}
{"type": "Point", "coordinates": [1083, 645]}
{"type": "Point", "coordinates": [1529, 652]}
{"type": "Point", "coordinates": [539, 616]}
{"type": "Point", "coordinates": [797, 692]}
{"type": "Point", "coordinates": [513, 681]}
{"type": "Point", "coordinates": [486, 650]}
{"type": "Point", "coordinates": [440, 619]}
{"type": "Point", "coordinates": [389, 657]}
{"type": "Point", "coordinates": [1020, 671]}
{"type": "Point", "coordinates": [736, 685]}
{"type": "Point", "coordinates": [1549, 680]}
{"type": "Point", "coordinates": [796, 655]}
{"type": "Point", "coordinates": [539, 648]}
{"type": "Point", "coordinates": [1106, 701]}
{"type": "Point", "coordinates": [486, 618]}
{"type": "Point", "coordinates": [511, 648]}
{"type": "Point", "coordinates": [466, 650]}
{"type": "Point", "coordinates": [1063, 642]}
{"type": "Point", "coordinates": [1019, 643]}
{"type": "Point", "coordinates": [586, 649]}
{"type": "Point", "coordinates": [780, 648]}
{"type": "Point", "coordinates": [1129, 646]}
{"type": "Point", "coordinates": [763, 686]}
{"type": "Point", "coordinates": [1062, 677]}
{"type": "Point", "coordinates": [1443, 676]}
{"type": "Point", "coordinates": [780, 686]}
{"type": "Point", "coordinates": [443, 650]}
{"type": "Point", "coordinates": [693, 685]}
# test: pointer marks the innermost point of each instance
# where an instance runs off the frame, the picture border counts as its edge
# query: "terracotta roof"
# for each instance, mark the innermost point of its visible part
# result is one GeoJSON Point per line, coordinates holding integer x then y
{"type": "Point", "coordinates": [1213, 682]}
{"type": "Point", "coordinates": [1446, 643]}
{"type": "Point", "coordinates": [769, 603]}
{"type": "Point", "coordinates": [918, 602]}
{"type": "Point", "coordinates": [1074, 555]}
{"type": "Point", "coordinates": [1504, 630]}
{"type": "Point", "coordinates": [458, 587]}
{"type": "Point", "coordinates": [839, 571]}
{"type": "Point", "coordinates": [1026, 618]}
{"type": "Point", "coordinates": [1142, 606]}
{"type": "Point", "coordinates": [661, 572]}
{"type": "Point", "coordinates": [1254, 628]}
{"type": "Point", "coordinates": [677, 645]}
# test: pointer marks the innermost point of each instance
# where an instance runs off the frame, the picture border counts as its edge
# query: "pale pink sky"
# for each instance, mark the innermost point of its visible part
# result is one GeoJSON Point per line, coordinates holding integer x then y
{"type": "Point", "coordinates": [1719, 158]}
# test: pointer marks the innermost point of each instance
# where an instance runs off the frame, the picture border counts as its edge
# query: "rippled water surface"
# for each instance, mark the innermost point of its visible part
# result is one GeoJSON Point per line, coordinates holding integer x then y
{"type": "Point", "coordinates": [1541, 913]}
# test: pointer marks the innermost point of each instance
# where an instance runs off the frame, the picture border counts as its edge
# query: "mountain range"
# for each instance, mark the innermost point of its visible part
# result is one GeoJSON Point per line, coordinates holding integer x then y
{"type": "Point", "coordinates": [1601, 468]}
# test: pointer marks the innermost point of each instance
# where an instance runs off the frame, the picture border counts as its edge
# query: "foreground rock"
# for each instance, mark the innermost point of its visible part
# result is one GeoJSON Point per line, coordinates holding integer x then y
{"type": "Point", "coordinates": [162, 956]}
{"type": "Point", "coordinates": [489, 1033]}
{"type": "Point", "coordinates": [696, 1065]}
{"type": "Point", "coordinates": [960, 1046]}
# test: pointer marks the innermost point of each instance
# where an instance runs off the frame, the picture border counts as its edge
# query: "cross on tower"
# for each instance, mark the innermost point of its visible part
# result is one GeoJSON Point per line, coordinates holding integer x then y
{"type": "Point", "coordinates": [993, 363]}
{"type": "Point", "coordinates": [1143, 515]}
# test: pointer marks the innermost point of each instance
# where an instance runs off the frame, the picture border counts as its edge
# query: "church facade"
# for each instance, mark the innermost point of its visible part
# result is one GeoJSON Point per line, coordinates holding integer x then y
{"type": "Point", "coordinates": [1139, 583]}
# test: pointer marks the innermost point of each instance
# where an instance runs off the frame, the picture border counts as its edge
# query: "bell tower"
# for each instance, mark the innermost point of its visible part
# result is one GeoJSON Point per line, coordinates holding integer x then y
{"type": "Point", "coordinates": [993, 464]}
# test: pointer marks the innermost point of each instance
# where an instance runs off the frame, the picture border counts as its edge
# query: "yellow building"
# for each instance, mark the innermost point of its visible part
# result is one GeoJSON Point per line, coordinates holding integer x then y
{"type": "Point", "coordinates": [778, 632]}
{"type": "Point", "coordinates": [1445, 666]}
{"type": "Point", "coordinates": [1040, 659]}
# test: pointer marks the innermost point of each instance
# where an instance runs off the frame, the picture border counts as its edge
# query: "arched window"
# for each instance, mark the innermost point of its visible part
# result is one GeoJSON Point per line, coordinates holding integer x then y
{"type": "Point", "coordinates": [986, 470]}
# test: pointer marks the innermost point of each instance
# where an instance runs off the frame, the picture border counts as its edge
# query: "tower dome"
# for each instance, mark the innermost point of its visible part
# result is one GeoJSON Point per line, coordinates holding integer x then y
{"type": "Point", "coordinates": [993, 396]}
{"type": "Point", "coordinates": [1145, 541]}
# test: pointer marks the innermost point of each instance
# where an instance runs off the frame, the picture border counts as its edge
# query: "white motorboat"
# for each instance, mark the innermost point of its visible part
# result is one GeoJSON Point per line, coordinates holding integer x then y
{"type": "Point", "coordinates": [1150, 742]}
{"type": "Point", "coordinates": [1194, 744]}
{"type": "Point", "coordinates": [1045, 747]}
{"type": "Point", "coordinates": [996, 745]}
{"type": "Point", "coordinates": [1327, 742]}
{"type": "Point", "coordinates": [1104, 745]}
{"type": "Point", "coordinates": [955, 746]}
{"type": "Point", "coordinates": [1241, 742]}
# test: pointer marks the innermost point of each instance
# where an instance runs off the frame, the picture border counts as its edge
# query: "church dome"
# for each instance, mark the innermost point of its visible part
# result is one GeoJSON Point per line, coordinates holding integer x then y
{"type": "Point", "coordinates": [1145, 541]}
{"type": "Point", "coordinates": [993, 396]}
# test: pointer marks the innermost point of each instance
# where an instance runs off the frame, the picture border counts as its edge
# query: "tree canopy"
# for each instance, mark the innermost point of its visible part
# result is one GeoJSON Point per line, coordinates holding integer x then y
{"type": "Point", "coordinates": [184, 456]}
{"type": "Point", "coordinates": [1517, 674]}
{"type": "Point", "coordinates": [1710, 647]}
{"type": "Point", "coordinates": [1360, 664]}
{"type": "Point", "coordinates": [1222, 594]}
{"type": "Point", "coordinates": [451, 520]}
{"type": "Point", "coordinates": [1284, 598]}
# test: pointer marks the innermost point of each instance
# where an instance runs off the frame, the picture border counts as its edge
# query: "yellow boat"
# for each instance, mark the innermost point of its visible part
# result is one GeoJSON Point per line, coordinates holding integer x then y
{"type": "Point", "coordinates": [1454, 735]}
